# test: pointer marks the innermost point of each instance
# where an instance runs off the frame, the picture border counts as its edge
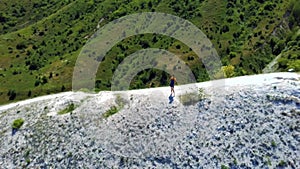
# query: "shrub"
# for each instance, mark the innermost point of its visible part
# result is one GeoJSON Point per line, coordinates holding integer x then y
{"type": "Point", "coordinates": [294, 65]}
{"type": "Point", "coordinates": [228, 70]}
{"type": "Point", "coordinates": [17, 123]}
{"type": "Point", "coordinates": [21, 46]}
{"type": "Point", "coordinates": [12, 94]}
{"type": "Point", "coordinates": [296, 11]}
{"type": "Point", "coordinates": [225, 29]}
{"type": "Point", "coordinates": [278, 47]}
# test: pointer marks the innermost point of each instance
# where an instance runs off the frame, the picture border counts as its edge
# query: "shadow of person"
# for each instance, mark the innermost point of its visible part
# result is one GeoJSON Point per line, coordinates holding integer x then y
{"type": "Point", "coordinates": [171, 99]}
{"type": "Point", "coordinates": [14, 131]}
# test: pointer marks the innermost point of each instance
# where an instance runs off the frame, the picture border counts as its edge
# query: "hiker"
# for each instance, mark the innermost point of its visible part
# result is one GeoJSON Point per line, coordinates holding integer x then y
{"type": "Point", "coordinates": [172, 83]}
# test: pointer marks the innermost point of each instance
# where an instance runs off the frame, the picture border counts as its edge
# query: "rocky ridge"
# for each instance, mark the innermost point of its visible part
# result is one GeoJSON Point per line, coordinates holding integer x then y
{"type": "Point", "coordinates": [245, 122]}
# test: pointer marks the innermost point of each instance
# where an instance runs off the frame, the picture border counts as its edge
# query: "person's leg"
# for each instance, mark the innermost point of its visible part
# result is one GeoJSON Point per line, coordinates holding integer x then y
{"type": "Point", "coordinates": [174, 91]}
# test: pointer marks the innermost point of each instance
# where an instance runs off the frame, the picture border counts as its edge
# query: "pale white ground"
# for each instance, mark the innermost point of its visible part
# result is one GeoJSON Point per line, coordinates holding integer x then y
{"type": "Point", "coordinates": [252, 120]}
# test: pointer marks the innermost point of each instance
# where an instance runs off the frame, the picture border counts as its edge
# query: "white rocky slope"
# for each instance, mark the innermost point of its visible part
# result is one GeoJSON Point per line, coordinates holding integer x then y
{"type": "Point", "coordinates": [244, 122]}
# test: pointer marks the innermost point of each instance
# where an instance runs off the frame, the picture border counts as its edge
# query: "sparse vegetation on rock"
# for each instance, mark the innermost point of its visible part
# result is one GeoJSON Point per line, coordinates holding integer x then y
{"type": "Point", "coordinates": [113, 110]}
{"type": "Point", "coordinates": [68, 109]}
{"type": "Point", "coordinates": [17, 123]}
{"type": "Point", "coordinates": [191, 98]}
{"type": "Point", "coordinates": [150, 132]}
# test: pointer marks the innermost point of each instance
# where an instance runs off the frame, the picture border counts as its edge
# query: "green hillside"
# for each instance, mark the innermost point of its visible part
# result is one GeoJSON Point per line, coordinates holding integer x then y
{"type": "Point", "coordinates": [40, 40]}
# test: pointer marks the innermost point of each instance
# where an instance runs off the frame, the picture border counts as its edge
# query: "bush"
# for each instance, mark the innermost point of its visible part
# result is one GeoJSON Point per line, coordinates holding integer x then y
{"type": "Point", "coordinates": [278, 47]}
{"type": "Point", "coordinates": [17, 123]}
{"type": "Point", "coordinates": [228, 70]}
{"type": "Point", "coordinates": [21, 46]}
{"type": "Point", "coordinates": [225, 29]}
{"type": "Point", "coordinates": [12, 94]}
{"type": "Point", "coordinates": [296, 11]}
{"type": "Point", "coordinates": [294, 65]}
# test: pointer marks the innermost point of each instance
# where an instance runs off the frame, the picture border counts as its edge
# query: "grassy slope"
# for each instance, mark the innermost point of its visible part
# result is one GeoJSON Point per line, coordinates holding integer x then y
{"type": "Point", "coordinates": [39, 46]}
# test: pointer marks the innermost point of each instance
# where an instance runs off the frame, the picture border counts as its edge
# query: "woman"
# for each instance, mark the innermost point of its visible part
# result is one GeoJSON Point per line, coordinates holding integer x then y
{"type": "Point", "coordinates": [172, 83]}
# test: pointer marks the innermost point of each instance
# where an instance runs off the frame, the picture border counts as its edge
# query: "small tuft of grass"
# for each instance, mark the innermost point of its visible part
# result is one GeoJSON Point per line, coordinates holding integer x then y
{"type": "Point", "coordinates": [282, 163]}
{"type": "Point", "coordinates": [120, 101]}
{"type": "Point", "coordinates": [68, 109]}
{"type": "Point", "coordinates": [235, 161]}
{"type": "Point", "coordinates": [192, 98]}
{"type": "Point", "coordinates": [224, 167]}
{"type": "Point", "coordinates": [113, 110]}
{"type": "Point", "coordinates": [17, 123]}
{"type": "Point", "coordinates": [273, 143]}
{"type": "Point", "coordinates": [268, 161]}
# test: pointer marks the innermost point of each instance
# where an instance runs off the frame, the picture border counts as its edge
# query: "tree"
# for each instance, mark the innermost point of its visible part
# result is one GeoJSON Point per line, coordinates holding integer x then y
{"type": "Point", "coordinates": [278, 47]}
{"type": "Point", "coordinates": [63, 88]}
{"type": "Point", "coordinates": [12, 94]}
{"type": "Point", "coordinates": [29, 93]}
{"type": "Point", "coordinates": [225, 29]}
{"type": "Point", "coordinates": [21, 46]}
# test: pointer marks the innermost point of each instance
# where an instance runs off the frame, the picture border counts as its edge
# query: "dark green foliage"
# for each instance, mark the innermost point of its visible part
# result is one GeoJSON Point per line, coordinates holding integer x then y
{"type": "Point", "coordinates": [29, 93]}
{"type": "Point", "coordinates": [63, 88]}
{"type": "Point", "coordinates": [21, 46]}
{"type": "Point", "coordinates": [12, 94]}
{"type": "Point", "coordinates": [296, 11]}
{"type": "Point", "coordinates": [225, 29]}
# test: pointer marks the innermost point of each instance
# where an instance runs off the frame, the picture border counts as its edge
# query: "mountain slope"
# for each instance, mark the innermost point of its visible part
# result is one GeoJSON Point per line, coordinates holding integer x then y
{"type": "Point", "coordinates": [39, 47]}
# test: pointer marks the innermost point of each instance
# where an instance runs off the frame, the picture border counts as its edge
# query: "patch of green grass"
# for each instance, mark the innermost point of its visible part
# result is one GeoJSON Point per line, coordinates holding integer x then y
{"type": "Point", "coordinates": [273, 143]}
{"type": "Point", "coordinates": [17, 123]}
{"type": "Point", "coordinates": [224, 166]}
{"type": "Point", "coordinates": [235, 161]}
{"type": "Point", "coordinates": [113, 110]}
{"type": "Point", "coordinates": [68, 109]}
{"type": "Point", "coordinates": [120, 101]}
{"type": "Point", "coordinates": [268, 161]}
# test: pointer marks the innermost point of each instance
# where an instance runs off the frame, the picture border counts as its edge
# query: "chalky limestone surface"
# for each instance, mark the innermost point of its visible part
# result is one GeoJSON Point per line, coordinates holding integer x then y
{"type": "Point", "coordinates": [251, 121]}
